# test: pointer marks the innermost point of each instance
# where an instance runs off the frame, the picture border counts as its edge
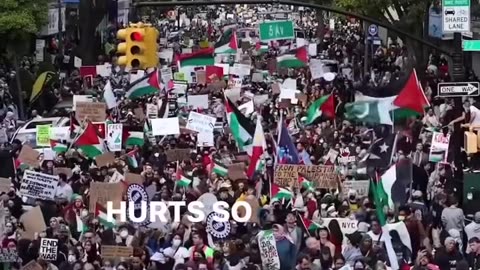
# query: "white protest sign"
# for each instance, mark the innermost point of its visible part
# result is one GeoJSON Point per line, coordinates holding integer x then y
{"type": "Point", "coordinates": [312, 49]}
{"type": "Point", "coordinates": [114, 137]}
{"type": "Point", "coordinates": [205, 139]}
{"type": "Point", "coordinates": [201, 123]}
{"type": "Point", "coordinates": [439, 148]}
{"type": "Point", "coordinates": [116, 177]}
{"type": "Point", "coordinates": [165, 126]}
{"type": "Point", "coordinates": [316, 68]}
{"type": "Point", "coordinates": [60, 133]}
{"type": "Point", "coordinates": [240, 70]}
{"type": "Point", "coordinates": [268, 250]}
{"type": "Point", "coordinates": [360, 186]}
{"type": "Point", "coordinates": [347, 225]}
{"type": "Point", "coordinates": [198, 101]}
{"type": "Point", "coordinates": [247, 108]}
{"type": "Point", "coordinates": [48, 249]}
{"type": "Point", "coordinates": [152, 111]}
{"type": "Point", "coordinates": [38, 185]}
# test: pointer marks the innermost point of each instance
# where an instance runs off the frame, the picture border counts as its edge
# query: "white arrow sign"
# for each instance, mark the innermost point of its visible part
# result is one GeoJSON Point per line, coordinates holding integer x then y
{"type": "Point", "coordinates": [469, 89]}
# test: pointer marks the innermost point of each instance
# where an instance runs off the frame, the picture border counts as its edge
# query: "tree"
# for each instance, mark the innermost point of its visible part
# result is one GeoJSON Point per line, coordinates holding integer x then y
{"type": "Point", "coordinates": [407, 15]}
{"type": "Point", "coordinates": [91, 13]}
{"type": "Point", "coordinates": [19, 22]}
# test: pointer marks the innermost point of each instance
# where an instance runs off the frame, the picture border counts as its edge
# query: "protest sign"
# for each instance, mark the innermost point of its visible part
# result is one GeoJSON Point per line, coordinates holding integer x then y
{"type": "Point", "coordinates": [116, 251]}
{"type": "Point", "coordinates": [101, 193]}
{"type": "Point", "coordinates": [346, 225]}
{"type": "Point", "coordinates": [67, 171]}
{"type": "Point", "coordinates": [138, 112]}
{"type": "Point", "coordinates": [152, 111]}
{"type": "Point", "coordinates": [268, 250]}
{"type": "Point", "coordinates": [165, 126]}
{"type": "Point", "coordinates": [94, 111]}
{"type": "Point", "coordinates": [322, 176]}
{"type": "Point", "coordinates": [133, 178]}
{"type": "Point", "coordinates": [116, 177]}
{"type": "Point", "coordinates": [8, 255]}
{"type": "Point", "coordinates": [201, 77]}
{"type": "Point", "coordinates": [236, 171]}
{"type": "Point", "coordinates": [439, 148]}
{"type": "Point", "coordinates": [114, 137]}
{"type": "Point", "coordinates": [32, 265]}
{"type": "Point", "coordinates": [105, 159]}
{"type": "Point", "coordinates": [360, 186]}
{"type": "Point", "coordinates": [29, 156]}
{"type": "Point", "coordinates": [38, 185]}
{"type": "Point", "coordinates": [43, 135]}
{"type": "Point", "coordinates": [33, 222]}
{"type": "Point", "coordinates": [218, 230]}
{"type": "Point", "coordinates": [201, 123]}
{"type": "Point", "coordinates": [198, 101]}
{"type": "Point", "coordinates": [177, 154]}
{"type": "Point", "coordinates": [81, 98]}
{"type": "Point", "coordinates": [5, 184]}
{"type": "Point", "coordinates": [48, 249]}
{"type": "Point", "coordinates": [60, 133]}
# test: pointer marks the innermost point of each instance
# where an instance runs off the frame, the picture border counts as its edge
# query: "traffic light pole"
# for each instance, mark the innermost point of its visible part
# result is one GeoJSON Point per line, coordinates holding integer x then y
{"type": "Point", "coordinates": [138, 4]}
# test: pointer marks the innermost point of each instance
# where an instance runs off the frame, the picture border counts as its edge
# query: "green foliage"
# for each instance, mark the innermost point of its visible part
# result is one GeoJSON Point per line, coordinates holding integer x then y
{"type": "Point", "coordinates": [405, 14]}
{"type": "Point", "coordinates": [20, 18]}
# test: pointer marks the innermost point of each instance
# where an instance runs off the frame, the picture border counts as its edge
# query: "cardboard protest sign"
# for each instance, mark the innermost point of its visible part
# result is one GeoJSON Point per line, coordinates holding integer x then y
{"type": "Point", "coordinates": [32, 265]}
{"type": "Point", "coordinates": [132, 178]}
{"type": "Point", "coordinates": [201, 77]}
{"type": "Point", "coordinates": [67, 171]}
{"type": "Point", "coordinates": [322, 176]}
{"type": "Point", "coordinates": [48, 249]}
{"type": "Point", "coordinates": [8, 255]}
{"type": "Point", "coordinates": [138, 112]}
{"type": "Point", "coordinates": [236, 171]}
{"type": "Point", "coordinates": [284, 104]}
{"type": "Point", "coordinates": [94, 111]}
{"type": "Point", "coordinates": [360, 186]}
{"type": "Point", "coordinates": [103, 192]}
{"type": "Point", "coordinates": [5, 184]}
{"type": "Point", "coordinates": [29, 156]}
{"type": "Point", "coordinates": [116, 251]}
{"type": "Point", "coordinates": [276, 88]}
{"type": "Point", "coordinates": [38, 185]}
{"type": "Point", "coordinates": [177, 154]}
{"type": "Point", "coordinates": [33, 222]}
{"type": "Point", "coordinates": [105, 159]}
{"type": "Point", "coordinates": [116, 177]}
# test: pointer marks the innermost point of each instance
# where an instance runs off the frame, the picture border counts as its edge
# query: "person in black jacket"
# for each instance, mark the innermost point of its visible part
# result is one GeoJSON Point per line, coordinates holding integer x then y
{"type": "Point", "coordinates": [447, 257]}
{"type": "Point", "coordinates": [473, 257]}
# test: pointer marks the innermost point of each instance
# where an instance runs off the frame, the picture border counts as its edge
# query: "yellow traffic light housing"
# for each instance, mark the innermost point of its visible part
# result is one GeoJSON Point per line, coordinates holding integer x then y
{"type": "Point", "coordinates": [140, 47]}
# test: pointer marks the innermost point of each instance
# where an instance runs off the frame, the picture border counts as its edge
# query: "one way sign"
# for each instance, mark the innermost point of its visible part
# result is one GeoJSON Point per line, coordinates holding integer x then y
{"type": "Point", "coordinates": [458, 89]}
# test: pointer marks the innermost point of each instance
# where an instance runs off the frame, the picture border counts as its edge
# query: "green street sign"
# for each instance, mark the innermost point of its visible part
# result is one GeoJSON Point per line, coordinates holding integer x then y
{"type": "Point", "coordinates": [276, 30]}
{"type": "Point", "coordinates": [456, 3]}
{"type": "Point", "coordinates": [471, 45]}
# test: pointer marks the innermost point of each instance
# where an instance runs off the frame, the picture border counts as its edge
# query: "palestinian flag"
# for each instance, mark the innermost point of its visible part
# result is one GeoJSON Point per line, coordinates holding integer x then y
{"type": "Point", "coordinates": [58, 147]}
{"type": "Point", "coordinates": [202, 57]}
{"type": "Point", "coordinates": [132, 159]}
{"type": "Point", "coordinates": [164, 107]}
{"type": "Point", "coordinates": [305, 183]}
{"type": "Point", "coordinates": [89, 143]}
{"type": "Point", "coordinates": [227, 44]}
{"type": "Point", "coordinates": [75, 127]}
{"type": "Point", "coordinates": [279, 193]}
{"type": "Point", "coordinates": [81, 227]}
{"type": "Point", "coordinates": [101, 214]}
{"type": "Point", "coordinates": [259, 146]}
{"type": "Point", "coordinates": [308, 225]}
{"type": "Point", "coordinates": [391, 186]}
{"type": "Point", "coordinates": [135, 138]}
{"type": "Point", "coordinates": [242, 128]}
{"type": "Point", "coordinates": [148, 85]}
{"type": "Point", "coordinates": [261, 47]}
{"type": "Point", "coordinates": [372, 111]}
{"type": "Point", "coordinates": [405, 93]}
{"type": "Point", "coordinates": [322, 106]}
{"type": "Point", "coordinates": [183, 181]}
{"type": "Point", "coordinates": [220, 169]}
{"type": "Point", "coordinates": [296, 58]}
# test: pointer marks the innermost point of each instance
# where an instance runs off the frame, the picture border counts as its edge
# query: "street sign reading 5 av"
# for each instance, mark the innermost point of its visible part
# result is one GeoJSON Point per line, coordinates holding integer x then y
{"type": "Point", "coordinates": [276, 30]}
{"type": "Point", "coordinates": [458, 89]}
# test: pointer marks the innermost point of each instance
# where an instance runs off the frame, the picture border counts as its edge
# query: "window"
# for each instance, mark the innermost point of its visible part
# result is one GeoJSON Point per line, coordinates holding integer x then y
{"type": "Point", "coordinates": [33, 125]}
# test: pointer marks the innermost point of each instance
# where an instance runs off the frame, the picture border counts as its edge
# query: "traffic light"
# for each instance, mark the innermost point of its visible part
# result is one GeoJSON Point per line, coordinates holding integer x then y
{"type": "Point", "coordinates": [140, 47]}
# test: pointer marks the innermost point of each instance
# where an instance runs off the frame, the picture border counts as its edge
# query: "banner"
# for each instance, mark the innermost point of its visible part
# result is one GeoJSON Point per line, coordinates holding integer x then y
{"type": "Point", "coordinates": [48, 249]}
{"type": "Point", "coordinates": [114, 137]}
{"type": "Point", "coordinates": [268, 250]}
{"type": "Point", "coordinates": [38, 185]}
{"type": "Point", "coordinates": [439, 147]}
{"type": "Point", "coordinates": [360, 186]}
{"type": "Point", "coordinates": [322, 176]}
{"type": "Point", "coordinates": [347, 226]}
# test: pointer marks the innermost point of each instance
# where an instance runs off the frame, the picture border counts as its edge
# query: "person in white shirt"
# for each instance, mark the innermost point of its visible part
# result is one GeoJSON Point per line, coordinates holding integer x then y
{"type": "Point", "coordinates": [176, 252]}
{"type": "Point", "coordinates": [64, 191]}
{"type": "Point", "coordinates": [376, 233]}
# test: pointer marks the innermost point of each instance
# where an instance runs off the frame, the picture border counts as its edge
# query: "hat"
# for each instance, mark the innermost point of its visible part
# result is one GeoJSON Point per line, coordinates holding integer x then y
{"type": "Point", "coordinates": [355, 238]}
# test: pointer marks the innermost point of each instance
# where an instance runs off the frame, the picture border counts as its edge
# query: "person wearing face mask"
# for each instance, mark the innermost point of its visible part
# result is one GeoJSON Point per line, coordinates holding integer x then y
{"type": "Point", "coordinates": [73, 256]}
{"type": "Point", "coordinates": [176, 253]}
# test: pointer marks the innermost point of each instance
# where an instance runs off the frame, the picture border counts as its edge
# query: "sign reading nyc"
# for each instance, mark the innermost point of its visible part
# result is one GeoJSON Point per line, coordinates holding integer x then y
{"type": "Point", "coordinates": [456, 16]}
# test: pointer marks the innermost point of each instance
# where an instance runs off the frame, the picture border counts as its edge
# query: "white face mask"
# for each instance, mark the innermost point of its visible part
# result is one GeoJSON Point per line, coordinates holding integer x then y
{"type": "Point", "coordinates": [71, 258]}
{"type": "Point", "coordinates": [156, 154]}
{"type": "Point", "coordinates": [124, 234]}
{"type": "Point", "coordinates": [176, 242]}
